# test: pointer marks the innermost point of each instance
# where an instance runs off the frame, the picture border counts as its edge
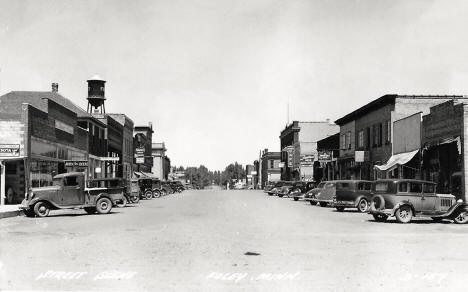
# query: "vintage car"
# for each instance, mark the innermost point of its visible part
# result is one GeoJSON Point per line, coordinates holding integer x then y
{"type": "Point", "coordinates": [115, 186]}
{"type": "Point", "coordinates": [285, 188]}
{"type": "Point", "coordinates": [69, 191]}
{"type": "Point", "coordinates": [275, 189]}
{"type": "Point", "coordinates": [166, 188]}
{"type": "Point", "coordinates": [311, 195]}
{"type": "Point", "coordinates": [406, 198]}
{"type": "Point", "coordinates": [352, 194]}
{"type": "Point", "coordinates": [268, 187]}
{"type": "Point", "coordinates": [146, 187]}
{"type": "Point", "coordinates": [300, 188]}
{"type": "Point", "coordinates": [326, 195]}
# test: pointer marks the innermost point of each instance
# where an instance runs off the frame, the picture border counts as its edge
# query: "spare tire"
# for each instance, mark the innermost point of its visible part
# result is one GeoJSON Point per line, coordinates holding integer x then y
{"type": "Point", "coordinates": [379, 202]}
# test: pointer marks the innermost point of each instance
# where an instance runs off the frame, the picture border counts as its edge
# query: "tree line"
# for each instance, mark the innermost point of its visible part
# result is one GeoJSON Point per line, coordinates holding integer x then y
{"type": "Point", "coordinates": [202, 177]}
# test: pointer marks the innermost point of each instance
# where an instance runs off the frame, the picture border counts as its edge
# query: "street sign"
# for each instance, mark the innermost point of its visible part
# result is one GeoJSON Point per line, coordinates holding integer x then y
{"type": "Point", "coordinates": [253, 172]}
{"type": "Point", "coordinates": [9, 150]}
{"type": "Point", "coordinates": [324, 156]}
{"type": "Point", "coordinates": [76, 163]}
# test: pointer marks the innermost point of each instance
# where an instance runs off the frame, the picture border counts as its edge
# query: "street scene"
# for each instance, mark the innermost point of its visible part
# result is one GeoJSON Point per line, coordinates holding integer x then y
{"type": "Point", "coordinates": [218, 240]}
{"type": "Point", "coordinates": [224, 145]}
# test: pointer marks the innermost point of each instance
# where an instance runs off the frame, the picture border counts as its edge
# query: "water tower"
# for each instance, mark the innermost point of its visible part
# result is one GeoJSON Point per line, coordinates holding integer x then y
{"type": "Point", "coordinates": [96, 95]}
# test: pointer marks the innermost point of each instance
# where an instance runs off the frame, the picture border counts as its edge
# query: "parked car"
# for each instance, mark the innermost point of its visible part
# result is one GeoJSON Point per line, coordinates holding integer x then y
{"type": "Point", "coordinates": [166, 188]}
{"type": "Point", "coordinates": [276, 187]}
{"type": "Point", "coordinates": [406, 199]}
{"type": "Point", "coordinates": [268, 187]}
{"type": "Point", "coordinates": [285, 188]}
{"type": "Point", "coordinates": [325, 196]}
{"type": "Point", "coordinates": [311, 195]}
{"type": "Point", "coordinates": [146, 188]}
{"type": "Point", "coordinates": [119, 190]}
{"type": "Point", "coordinates": [177, 186]}
{"type": "Point", "coordinates": [352, 194]}
{"type": "Point", "coordinates": [69, 191]}
{"type": "Point", "coordinates": [300, 188]}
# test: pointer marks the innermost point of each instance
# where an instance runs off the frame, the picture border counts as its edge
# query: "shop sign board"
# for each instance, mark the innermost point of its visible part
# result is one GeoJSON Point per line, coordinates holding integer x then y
{"type": "Point", "coordinates": [362, 156]}
{"type": "Point", "coordinates": [140, 160]}
{"type": "Point", "coordinates": [290, 152]}
{"type": "Point", "coordinates": [9, 150]}
{"type": "Point", "coordinates": [307, 160]}
{"type": "Point", "coordinates": [76, 163]}
{"type": "Point", "coordinates": [140, 150]}
{"type": "Point", "coordinates": [324, 156]}
{"type": "Point", "coordinates": [114, 159]}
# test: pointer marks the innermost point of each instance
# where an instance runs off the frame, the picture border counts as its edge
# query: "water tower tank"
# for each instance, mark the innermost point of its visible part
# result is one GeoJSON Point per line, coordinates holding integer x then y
{"type": "Point", "coordinates": [96, 94]}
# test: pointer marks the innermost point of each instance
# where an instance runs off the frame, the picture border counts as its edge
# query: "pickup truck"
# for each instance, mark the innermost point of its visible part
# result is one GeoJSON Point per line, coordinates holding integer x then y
{"type": "Point", "coordinates": [70, 191]}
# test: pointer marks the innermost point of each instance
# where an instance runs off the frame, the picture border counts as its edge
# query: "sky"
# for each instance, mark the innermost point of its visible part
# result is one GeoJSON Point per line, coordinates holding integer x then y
{"type": "Point", "coordinates": [215, 77]}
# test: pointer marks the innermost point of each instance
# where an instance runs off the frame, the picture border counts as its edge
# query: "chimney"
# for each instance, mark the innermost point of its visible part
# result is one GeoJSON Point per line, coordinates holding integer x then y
{"type": "Point", "coordinates": [54, 87]}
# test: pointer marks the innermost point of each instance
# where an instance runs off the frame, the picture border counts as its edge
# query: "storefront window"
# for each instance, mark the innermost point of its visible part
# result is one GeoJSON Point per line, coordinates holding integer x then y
{"type": "Point", "coordinates": [42, 172]}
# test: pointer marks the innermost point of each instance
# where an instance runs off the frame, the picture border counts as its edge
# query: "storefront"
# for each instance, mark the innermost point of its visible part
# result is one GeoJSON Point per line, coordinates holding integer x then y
{"type": "Point", "coordinates": [49, 159]}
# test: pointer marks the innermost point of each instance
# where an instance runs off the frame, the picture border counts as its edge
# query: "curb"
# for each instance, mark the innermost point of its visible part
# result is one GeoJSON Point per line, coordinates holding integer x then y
{"type": "Point", "coordinates": [10, 214]}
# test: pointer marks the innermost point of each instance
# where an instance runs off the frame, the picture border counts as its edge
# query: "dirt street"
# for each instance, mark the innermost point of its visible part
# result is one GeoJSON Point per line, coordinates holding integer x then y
{"type": "Point", "coordinates": [218, 240]}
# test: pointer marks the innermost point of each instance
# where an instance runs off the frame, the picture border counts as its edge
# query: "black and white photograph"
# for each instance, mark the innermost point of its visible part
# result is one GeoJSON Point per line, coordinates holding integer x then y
{"type": "Point", "coordinates": [233, 145]}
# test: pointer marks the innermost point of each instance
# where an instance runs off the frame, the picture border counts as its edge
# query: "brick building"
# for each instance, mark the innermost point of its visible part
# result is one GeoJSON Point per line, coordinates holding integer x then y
{"type": "Point", "coordinates": [299, 148]}
{"type": "Point", "coordinates": [40, 136]}
{"type": "Point", "coordinates": [369, 132]}
{"type": "Point", "coordinates": [444, 149]}
{"type": "Point", "coordinates": [142, 144]}
{"type": "Point", "coordinates": [270, 170]}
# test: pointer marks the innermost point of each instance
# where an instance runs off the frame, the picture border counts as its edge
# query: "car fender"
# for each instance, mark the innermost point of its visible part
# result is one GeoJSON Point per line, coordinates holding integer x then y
{"type": "Point", "coordinates": [356, 202]}
{"type": "Point", "coordinates": [403, 203]}
{"type": "Point", "coordinates": [34, 201]}
{"type": "Point", "coordinates": [104, 195]}
{"type": "Point", "coordinates": [455, 209]}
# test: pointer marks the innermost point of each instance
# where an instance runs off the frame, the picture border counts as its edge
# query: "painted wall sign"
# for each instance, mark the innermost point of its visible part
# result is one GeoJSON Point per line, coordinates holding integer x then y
{"type": "Point", "coordinates": [9, 150]}
{"type": "Point", "coordinates": [76, 163]}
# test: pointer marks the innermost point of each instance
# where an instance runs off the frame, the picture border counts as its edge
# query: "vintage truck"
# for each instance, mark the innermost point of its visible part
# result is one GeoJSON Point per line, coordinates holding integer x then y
{"type": "Point", "coordinates": [70, 191]}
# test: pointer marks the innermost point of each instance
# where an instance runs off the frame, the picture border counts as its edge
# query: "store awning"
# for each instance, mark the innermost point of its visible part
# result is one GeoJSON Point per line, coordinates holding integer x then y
{"type": "Point", "coordinates": [150, 175]}
{"type": "Point", "coordinates": [138, 174]}
{"type": "Point", "coordinates": [397, 159]}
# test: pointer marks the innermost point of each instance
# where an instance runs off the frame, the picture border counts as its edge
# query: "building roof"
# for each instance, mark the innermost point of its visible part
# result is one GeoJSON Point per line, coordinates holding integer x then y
{"type": "Point", "coordinates": [384, 100]}
{"type": "Point", "coordinates": [96, 77]}
{"type": "Point", "coordinates": [35, 98]}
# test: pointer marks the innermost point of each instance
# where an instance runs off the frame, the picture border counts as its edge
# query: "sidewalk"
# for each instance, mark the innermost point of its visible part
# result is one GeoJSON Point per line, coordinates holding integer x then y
{"type": "Point", "coordinates": [10, 211]}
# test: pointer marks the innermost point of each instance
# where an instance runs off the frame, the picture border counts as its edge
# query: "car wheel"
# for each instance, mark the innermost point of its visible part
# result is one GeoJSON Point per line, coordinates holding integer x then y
{"type": "Point", "coordinates": [148, 195]}
{"type": "Point", "coordinates": [41, 209]}
{"type": "Point", "coordinates": [462, 217]}
{"type": "Point", "coordinates": [103, 206]}
{"type": "Point", "coordinates": [156, 194]}
{"type": "Point", "coordinates": [404, 214]}
{"type": "Point", "coordinates": [90, 210]}
{"type": "Point", "coordinates": [340, 209]}
{"type": "Point", "coordinates": [296, 199]}
{"type": "Point", "coordinates": [164, 192]}
{"type": "Point", "coordinates": [323, 204]}
{"type": "Point", "coordinates": [380, 217]}
{"type": "Point", "coordinates": [135, 199]}
{"type": "Point", "coordinates": [363, 205]}
{"type": "Point", "coordinates": [29, 213]}
{"type": "Point", "coordinates": [122, 203]}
